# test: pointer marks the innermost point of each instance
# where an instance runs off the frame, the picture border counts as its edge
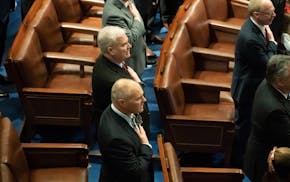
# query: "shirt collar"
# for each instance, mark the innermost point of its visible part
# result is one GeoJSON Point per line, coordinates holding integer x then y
{"type": "Point", "coordinates": [284, 95]}
{"type": "Point", "coordinates": [261, 27]}
{"type": "Point", "coordinates": [124, 116]}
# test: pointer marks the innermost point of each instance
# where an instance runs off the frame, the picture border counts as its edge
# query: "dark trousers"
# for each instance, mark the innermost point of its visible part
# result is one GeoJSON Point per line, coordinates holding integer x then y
{"type": "Point", "coordinates": [3, 31]}
{"type": "Point", "coordinates": [168, 9]}
{"type": "Point", "coordinates": [242, 131]}
{"type": "Point", "coordinates": [277, 24]}
{"type": "Point", "coordinates": [147, 11]}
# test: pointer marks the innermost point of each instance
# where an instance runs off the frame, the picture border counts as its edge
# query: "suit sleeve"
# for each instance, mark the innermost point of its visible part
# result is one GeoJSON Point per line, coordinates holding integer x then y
{"type": "Point", "coordinates": [279, 127]}
{"type": "Point", "coordinates": [121, 156]}
{"type": "Point", "coordinates": [260, 53]}
{"type": "Point", "coordinates": [134, 29]}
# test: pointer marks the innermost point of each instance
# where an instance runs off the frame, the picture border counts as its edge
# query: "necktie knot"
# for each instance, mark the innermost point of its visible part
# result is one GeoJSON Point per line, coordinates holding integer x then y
{"type": "Point", "coordinates": [136, 119]}
{"type": "Point", "coordinates": [133, 121]}
{"type": "Point", "coordinates": [124, 66]}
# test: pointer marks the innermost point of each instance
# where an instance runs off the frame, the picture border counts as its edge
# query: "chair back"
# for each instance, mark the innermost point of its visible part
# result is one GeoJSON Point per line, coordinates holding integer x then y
{"type": "Point", "coordinates": [68, 10]}
{"type": "Point", "coordinates": [169, 162]}
{"type": "Point", "coordinates": [14, 166]}
{"type": "Point", "coordinates": [196, 21]}
{"type": "Point", "coordinates": [47, 26]}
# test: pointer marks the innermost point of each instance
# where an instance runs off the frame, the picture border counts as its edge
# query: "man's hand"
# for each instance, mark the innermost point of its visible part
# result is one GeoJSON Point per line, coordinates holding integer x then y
{"type": "Point", "coordinates": [133, 74]}
{"type": "Point", "coordinates": [269, 33]}
{"type": "Point", "coordinates": [142, 135]}
{"type": "Point", "coordinates": [133, 10]}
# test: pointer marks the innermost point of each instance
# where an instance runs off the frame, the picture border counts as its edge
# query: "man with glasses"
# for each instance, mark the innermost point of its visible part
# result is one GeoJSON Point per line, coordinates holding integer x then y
{"type": "Point", "coordinates": [254, 46]}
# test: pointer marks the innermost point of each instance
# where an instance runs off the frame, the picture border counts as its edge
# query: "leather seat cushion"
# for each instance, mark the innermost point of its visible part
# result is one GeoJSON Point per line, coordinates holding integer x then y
{"type": "Point", "coordinates": [59, 175]}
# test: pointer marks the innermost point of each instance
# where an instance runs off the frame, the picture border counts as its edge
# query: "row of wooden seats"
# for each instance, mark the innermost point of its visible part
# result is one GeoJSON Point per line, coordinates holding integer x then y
{"type": "Point", "coordinates": [193, 76]}
{"type": "Point", "coordinates": [212, 35]}
{"type": "Point", "coordinates": [52, 75]}
{"type": "Point", "coordinates": [30, 162]}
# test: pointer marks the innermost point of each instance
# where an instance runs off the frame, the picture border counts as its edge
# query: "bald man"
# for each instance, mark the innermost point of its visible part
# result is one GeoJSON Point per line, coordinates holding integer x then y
{"type": "Point", "coordinates": [125, 148]}
{"type": "Point", "coordinates": [255, 45]}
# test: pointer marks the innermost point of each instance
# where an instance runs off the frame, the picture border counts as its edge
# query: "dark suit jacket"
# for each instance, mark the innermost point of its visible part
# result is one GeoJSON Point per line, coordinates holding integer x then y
{"type": "Point", "coordinates": [251, 57]}
{"type": "Point", "coordinates": [6, 7]}
{"type": "Point", "coordinates": [124, 157]}
{"type": "Point", "coordinates": [116, 14]}
{"type": "Point", "coordinates": [105, 73]}
{"type": "Point", "coordinates": [270, 127]}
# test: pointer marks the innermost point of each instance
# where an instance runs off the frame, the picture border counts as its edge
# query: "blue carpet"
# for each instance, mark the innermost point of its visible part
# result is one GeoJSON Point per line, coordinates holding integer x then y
{"type": "Point", "coordinates": [11, 107]}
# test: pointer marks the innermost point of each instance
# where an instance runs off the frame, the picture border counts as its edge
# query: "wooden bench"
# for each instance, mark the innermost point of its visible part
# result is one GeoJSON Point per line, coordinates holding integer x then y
{"type": "Point", "coordinates": [53, 83]}
{"type": "Point", "coordinates": [195, 114]}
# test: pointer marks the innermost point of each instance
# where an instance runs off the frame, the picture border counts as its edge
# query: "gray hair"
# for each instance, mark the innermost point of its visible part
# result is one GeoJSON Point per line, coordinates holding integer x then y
{"type": "Point", "coordinates": [122, 89]}
{"type": "Point", "coordinates": [277, 68]}
{"type": "Point", "coordinates": [255, 5]}
{"type": "Point", "coordinates": [108, 37]}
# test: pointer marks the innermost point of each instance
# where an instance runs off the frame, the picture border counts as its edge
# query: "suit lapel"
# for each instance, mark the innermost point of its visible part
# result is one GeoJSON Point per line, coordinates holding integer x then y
{"type": "Point", "coordinates": [115, 68]}
{"type": "Point", "coordinates": [129, 130]}
{"type": "Point", "coordinates": [284, 102]}
{"type": "Point", "coordinates": [257, 31]}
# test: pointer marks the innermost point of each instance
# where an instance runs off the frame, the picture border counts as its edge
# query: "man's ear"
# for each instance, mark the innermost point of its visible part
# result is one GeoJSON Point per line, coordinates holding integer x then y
{"type": "Point", "coordinates": [280, 83]}
{"type": "Point", "coordinates": [121, 101]}
{"type": "Point", "coordinates": [110, 50]}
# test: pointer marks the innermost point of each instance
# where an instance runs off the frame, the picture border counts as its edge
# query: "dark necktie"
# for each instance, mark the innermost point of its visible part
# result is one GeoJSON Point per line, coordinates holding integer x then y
{"type": "Point", "coordinates": [133, 122]}
{"type": "Point", "coordinates": [266, 35]}
{"type": "Point", "coordinates": [124, 66]}
{"type": "Point", "coordinates": [136, 120]}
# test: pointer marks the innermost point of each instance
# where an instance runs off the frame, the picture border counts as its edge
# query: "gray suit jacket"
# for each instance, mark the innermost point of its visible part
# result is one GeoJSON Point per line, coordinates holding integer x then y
{"type": "Point", "coordinates": [116, 14]}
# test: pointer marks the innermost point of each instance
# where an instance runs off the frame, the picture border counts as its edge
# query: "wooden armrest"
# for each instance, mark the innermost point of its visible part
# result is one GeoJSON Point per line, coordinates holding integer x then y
{"type": "Point", "coordinates": [202, 119]}
{"type": "Point", "coordinates": [100, 3]}
{"type": "Point", "coordinates": [197, 82]}
{"type": "Point", "coordinates": [80, 28]}
{"type": "Point", "coordinates": [57, 91]}
{"type": "Point", "coordinates": [211, 170]}
{"type": "Point", "coordinates": [212, 60]}
{"type": "Point", "coordinates": [190, 173]}
{"type": "Point", "coordinates": [40, 155]}
{"type": "Point", "coordinates": [60, 57]}
{"type": "Point", "coordinates": [198, 91]}
{"type": "Point", "coordinates": [222, 56]}
{"type": "Point", "coordinates": [224, 26]}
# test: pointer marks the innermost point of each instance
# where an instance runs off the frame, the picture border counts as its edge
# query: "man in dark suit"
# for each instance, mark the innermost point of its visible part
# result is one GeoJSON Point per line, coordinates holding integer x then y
{"type": "Point", "coordinates": [124, 14]}
{"type": "Point", "coordinates": [126, 152]}
{"type": "Point", "coordinates": [254, 46]}
{"type": "Point", "coordinates": [277, 24]}
{"type": "Point", "coordinates": [270, 118]}
{"type": "Point", "coordinates": [115, 49]}
{"type": "Point", "coordinates": [148, 10]}
{"type": "Point", "coordinates": [168, 10]}
{"type": "Point", "coordinates": [7, 6]}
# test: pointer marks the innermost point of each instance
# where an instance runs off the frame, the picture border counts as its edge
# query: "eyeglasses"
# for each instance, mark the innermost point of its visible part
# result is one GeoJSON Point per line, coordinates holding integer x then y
{"type": "Point", "coordinates": [268, 13]}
